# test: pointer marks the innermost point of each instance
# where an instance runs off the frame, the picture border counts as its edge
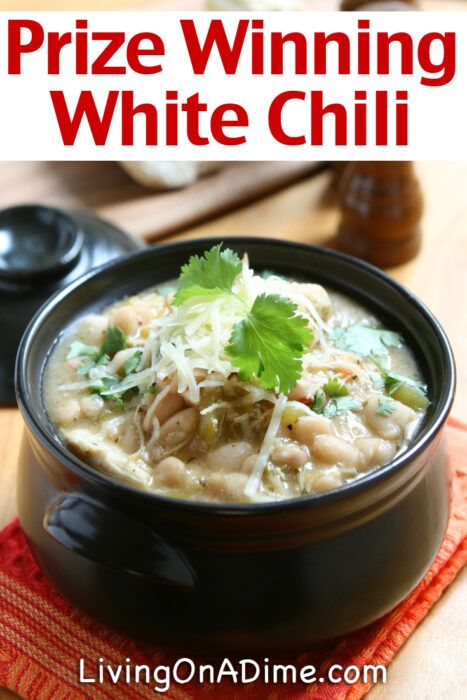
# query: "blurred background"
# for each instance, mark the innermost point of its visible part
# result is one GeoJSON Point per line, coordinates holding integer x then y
{"type": "Point", "coordinates": [74, 5]}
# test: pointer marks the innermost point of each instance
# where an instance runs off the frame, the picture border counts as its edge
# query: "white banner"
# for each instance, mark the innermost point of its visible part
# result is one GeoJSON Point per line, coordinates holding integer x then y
{"type": "Point", "coordinates": [233, 86]}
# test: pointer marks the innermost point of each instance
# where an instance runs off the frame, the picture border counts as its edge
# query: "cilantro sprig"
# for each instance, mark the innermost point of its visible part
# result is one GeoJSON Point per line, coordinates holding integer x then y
{"type": "Point", "coordinates": [404, 389]}
{"type": "Point", "coordinates": [334, 387]}
{"type": "Point", "coordinates": [375, 343]}
{"type": "Point", "coordinates": [386, 406]}
{"type": "Point", "coordinates": [114, 340]}
{"type": "Point", "coordinates": [333, 399]}
{"type": "Point", "coordinates": [269, 342]}
{"type": "Point", "coordinates": [79, 349]}
{"type": "Point", "coordinates": [92, 356]}
{"type": "Point", "coordinates": [318, 402]}
{"type": "Point", "coordinates": [365, 341]}
{"type": "Point", "coordinates": [213, 273]}
{"type": "Point", "coordinates": [132, 363]}
{"type": "Point", "coordinates": [340, 405]}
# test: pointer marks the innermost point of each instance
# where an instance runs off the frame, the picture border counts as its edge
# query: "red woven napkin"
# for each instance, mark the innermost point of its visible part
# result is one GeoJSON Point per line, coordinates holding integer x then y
{"type": "Point", "coordinates": [42, 636]}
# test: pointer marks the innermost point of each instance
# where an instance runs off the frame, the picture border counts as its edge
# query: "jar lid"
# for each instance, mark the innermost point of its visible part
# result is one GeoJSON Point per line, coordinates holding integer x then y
{"type": "Point", "coordinates": [43, 249]}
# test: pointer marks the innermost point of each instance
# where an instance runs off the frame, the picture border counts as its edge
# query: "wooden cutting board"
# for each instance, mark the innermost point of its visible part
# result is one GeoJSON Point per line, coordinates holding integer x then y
{"type": "Point", "coordinates": [145, 213]}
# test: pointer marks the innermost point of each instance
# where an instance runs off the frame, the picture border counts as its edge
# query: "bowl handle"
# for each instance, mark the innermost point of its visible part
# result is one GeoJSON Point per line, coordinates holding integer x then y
{"type": "Point", "coordinates": [116, 540]}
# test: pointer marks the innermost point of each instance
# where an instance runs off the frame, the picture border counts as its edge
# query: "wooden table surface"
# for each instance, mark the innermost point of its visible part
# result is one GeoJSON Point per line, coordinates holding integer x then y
{"type": "Point", "coordinates": [432, 662]}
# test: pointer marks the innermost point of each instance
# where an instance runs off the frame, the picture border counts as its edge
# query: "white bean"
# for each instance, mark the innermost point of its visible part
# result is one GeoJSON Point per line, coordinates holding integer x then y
{"type": "Point", "coordinates": [306, 429]}
{"type": "Point", "coordinates": [170, 472]}
{"type": "Point", "coordinates": [229, 457]}
{"type": "Point", "coordinates": [374, 451]}
{"type": "Point", "coordinates": [179, 428]}
{"type": "Point", "coordinates": [249, 463]}
{"type": "Point", "coordinates": [119, 360]}
{"type": "Point", "coordinates": [226, 487]}
{"type": "Point", "coordinates": [328, 480]}
{"type": "Point", "coordinates": [129, 440]}
{"type": "Point", "coordinates": [168, 407]}
{"type": "Point", "coordinates": [91, 406]}
{"type": "Point", "coordinates": [290, 455]}
{"type": "Point", "coordinates": [143, 311]}
{"type": "Point", "coordinates": [391, 427]}
{"type": "Point", "coordinates": [92, 329]}
{"type": "Point", "coordinates": [334, 450]}
{"type": "Point", "coordinates": [68, 412]}
{"type": "Point", "coordinates": [318, 297]}
{"type": "Point", "coordinates": [125, 319]}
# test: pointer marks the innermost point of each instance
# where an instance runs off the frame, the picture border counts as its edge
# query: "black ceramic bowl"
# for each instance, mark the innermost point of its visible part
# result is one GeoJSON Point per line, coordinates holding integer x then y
{"type": "Point", "coordinates": [221, 577]}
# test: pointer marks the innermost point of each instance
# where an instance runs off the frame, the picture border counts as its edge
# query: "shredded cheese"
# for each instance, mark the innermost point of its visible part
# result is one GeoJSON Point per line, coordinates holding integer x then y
{"type": "Point", "coordinates": [193, 338]}
{"type": "Point", "coordinates": [256, 475]}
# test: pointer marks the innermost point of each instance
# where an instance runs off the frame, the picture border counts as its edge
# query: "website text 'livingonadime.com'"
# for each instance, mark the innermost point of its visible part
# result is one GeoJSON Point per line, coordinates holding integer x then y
{"type": "Point", "coordinates": [239, 672]}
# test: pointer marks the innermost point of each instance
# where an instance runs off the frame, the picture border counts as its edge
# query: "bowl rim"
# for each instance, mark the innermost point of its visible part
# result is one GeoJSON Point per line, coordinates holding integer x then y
{"type": "Point", "coordinates": [106, 482]}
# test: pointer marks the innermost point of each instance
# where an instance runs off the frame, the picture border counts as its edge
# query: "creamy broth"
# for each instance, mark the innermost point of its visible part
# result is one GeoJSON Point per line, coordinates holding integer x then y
{"type": "Point", "coordinates": [134, 404]}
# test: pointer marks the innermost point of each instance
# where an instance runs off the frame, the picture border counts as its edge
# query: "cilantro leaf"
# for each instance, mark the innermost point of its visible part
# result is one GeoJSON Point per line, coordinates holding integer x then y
{"type": "Point", "coordinates": [103, 384]}
{"type": "Point", "coordinates": [114, 341]}
{"type": "Point", "coordinates": [365, 341]}
{"type": "Point", "coordinates": [79, 349]}
{"type": "Point", "coordinates": [196, 291]}
{"type": "Point", "coordinates": [386, 406]}
{"type": "Point", "coordinates": [90, 362]}
{"type": "Point", "coordinates": [394, 381]}
{"type": "Point", "coordinates": [87, 364]}
{"type": "Point", "coordinates": [377, 380]}
{"type": "Point", "coordinates": [132, 363]}
{"type": "Point", "coordinates": [408, 391]}
{"type": "Point", "coordinates": [341, 404]}
{"type": "Point", "coordinates": [270, 342]}
{"type": "Point", "coordinates": [217, 269]}
{"type": "Point", "coordinates": [319, 401]}
{"type": "Point", "coordinates": [334, 387]}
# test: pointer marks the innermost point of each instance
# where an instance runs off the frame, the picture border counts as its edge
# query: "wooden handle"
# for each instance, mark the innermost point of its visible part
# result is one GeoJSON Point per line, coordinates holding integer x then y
{"type": "Point", "coordinates": [237, 184]}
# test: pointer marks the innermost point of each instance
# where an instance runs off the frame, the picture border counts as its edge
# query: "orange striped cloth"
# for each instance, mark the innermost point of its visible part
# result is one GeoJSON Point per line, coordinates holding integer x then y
{"type": "Point", "coordinates": [42, 637]}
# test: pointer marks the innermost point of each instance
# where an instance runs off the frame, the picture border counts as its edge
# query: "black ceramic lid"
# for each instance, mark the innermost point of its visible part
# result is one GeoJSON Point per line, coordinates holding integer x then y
{"type": "Point", "coordinates": [43, 249]}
